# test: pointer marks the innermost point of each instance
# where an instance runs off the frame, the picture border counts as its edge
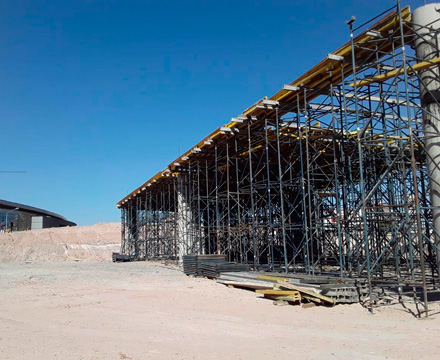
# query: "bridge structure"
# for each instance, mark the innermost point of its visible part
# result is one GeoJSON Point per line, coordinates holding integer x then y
{"type": "Point", "coordinates": [336, 173]}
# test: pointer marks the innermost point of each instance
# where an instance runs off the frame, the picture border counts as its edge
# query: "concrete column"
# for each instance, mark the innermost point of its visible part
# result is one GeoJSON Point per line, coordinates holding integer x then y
{"type": "Point", "coordinates": [427, 47]}
{"type": "Point", "coordinates": [183, 218]}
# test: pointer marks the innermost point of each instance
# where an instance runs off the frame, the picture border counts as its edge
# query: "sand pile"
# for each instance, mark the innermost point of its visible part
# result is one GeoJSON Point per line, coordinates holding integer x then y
{"type": "Point", "coordinates": [88, 243]}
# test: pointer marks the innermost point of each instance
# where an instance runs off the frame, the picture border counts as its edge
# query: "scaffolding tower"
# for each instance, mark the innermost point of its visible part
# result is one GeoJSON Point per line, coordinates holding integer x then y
{"type": "Point", "coordinates": [338, 172]}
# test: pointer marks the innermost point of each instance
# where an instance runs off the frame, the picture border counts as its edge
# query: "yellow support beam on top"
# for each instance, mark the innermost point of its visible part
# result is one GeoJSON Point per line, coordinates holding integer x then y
{"type": "Point", "coordinates": [389, 75]}
{"type": "Point", "coordinates": [318, 76]}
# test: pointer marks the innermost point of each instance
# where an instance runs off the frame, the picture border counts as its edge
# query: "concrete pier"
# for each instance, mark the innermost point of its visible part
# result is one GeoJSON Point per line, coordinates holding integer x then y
{"type": "Point", "coordinates": [427, 26]}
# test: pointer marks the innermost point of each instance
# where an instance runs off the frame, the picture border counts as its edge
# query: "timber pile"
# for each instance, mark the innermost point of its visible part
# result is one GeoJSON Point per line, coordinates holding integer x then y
{"type": "Point", "coordinates": [296, 288]}
{"type": "Point", "coordinates": [283, 288]}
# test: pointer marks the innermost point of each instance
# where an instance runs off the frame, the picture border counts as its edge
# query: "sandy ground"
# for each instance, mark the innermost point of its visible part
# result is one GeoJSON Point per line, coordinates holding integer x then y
{"type": "Point", "coordinates": [52, 306]}
{"type": "Point", "coordinates": [93, 310]}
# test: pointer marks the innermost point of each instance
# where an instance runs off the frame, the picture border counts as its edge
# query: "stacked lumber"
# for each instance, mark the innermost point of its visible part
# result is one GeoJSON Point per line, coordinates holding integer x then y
{"type": "Point", "coordinates": [312, 295]}
{"type": "Point", "coordinates": [286, 289]}
{"type": "Point", "coordinates": [245, 280]}
{"type": "Point", "coordinates": [342, 290]}
{"type": "Point", "coordinates": [282, 288]}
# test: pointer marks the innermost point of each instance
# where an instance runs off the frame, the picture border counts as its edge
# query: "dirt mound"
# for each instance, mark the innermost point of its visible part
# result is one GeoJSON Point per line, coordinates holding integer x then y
{"type": "Point", "coordinates": [88, 243]}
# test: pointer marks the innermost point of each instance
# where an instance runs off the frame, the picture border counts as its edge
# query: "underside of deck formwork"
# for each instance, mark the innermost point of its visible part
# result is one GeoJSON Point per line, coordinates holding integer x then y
{"type": "Point", "coordinates": [336, 173]}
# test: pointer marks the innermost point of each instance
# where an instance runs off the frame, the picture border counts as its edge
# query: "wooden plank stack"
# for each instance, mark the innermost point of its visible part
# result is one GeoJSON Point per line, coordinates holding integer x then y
{"type": "Point", "coordinates": [282, 288]}
{"type": "Point", "coordinates": [296, 288]}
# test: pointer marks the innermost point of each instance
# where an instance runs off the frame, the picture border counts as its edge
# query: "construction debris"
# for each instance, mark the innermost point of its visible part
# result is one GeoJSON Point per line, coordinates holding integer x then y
{"type": "Point", "coordinates": [297, 288]}
{"type": "Point", "coordinates": [310, 293]}
{"type": "Point", "coordinates": [116, 257]}
{"type": "Point", "coordinates": [293, 288]}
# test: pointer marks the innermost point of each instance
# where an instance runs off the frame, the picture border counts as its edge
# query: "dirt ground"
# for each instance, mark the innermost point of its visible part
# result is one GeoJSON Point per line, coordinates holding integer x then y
{"type": "Point", "coordinates": [61, 297]}
{"type": "Point", "coordinates": [144, 310]}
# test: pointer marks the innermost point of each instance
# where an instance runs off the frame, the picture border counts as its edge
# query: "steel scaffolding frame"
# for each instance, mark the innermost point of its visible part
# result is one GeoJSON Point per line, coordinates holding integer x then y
{"type": "Point", "coordinates": [329, 175]}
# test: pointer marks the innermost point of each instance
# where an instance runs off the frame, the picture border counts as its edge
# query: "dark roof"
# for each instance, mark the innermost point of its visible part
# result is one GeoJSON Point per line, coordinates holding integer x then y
{"type": "Point", "coordinates": [27, 208]}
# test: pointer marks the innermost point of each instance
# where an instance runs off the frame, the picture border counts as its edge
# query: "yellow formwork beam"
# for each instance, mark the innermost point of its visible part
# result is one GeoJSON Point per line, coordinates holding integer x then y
{"type": "Point", "coordinates": [389, 75]}
{"type": "Point", "coordinates": [318, 75]}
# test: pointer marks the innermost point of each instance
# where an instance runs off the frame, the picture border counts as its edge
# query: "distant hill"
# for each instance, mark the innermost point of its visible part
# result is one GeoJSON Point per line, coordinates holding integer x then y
{"type": "Point", "coordinates": [79, 243]}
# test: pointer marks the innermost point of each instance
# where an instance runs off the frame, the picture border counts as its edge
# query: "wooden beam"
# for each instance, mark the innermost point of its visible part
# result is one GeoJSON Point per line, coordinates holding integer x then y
{"type": "Point", "coordinates": [278, 292]}
{"type": "Point", "coordinates": [410, 70]}
{"type": "Point", "coordinates": [308, 292]}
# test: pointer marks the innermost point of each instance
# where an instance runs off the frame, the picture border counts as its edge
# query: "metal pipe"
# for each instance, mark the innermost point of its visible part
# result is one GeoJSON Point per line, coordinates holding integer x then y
{"type": "Point", "coordinates": [361, 170]}
{"type": "Point", "coordinates": [269, 196]}
{"type": "Point", "coordinates": [280, 182]}
{"type": "Point", "coordinates": [251, 185]}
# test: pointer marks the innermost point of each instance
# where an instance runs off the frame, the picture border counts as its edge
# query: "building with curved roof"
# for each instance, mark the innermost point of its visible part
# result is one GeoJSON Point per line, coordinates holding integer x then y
{"type": "Point", "coordinates": [19, 217]}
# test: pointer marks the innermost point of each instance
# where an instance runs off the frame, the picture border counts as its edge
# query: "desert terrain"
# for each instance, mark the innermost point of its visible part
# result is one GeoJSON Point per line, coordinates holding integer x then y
{"type": "Point", "coordinates": [61, 297]}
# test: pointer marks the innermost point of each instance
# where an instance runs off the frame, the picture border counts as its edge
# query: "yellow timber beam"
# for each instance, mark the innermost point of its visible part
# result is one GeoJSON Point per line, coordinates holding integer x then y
{"type": "Point", "coordinates": [389, 75]}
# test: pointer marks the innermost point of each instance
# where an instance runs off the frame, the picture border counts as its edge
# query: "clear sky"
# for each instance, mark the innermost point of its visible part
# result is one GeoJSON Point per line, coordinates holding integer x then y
{"type": "Point", "coordinates": [98, 96]}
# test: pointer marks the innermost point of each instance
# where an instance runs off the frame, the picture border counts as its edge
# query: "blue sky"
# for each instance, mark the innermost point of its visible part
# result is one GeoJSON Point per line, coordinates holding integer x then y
{"type": "Point", "coordinates": [98, 96]}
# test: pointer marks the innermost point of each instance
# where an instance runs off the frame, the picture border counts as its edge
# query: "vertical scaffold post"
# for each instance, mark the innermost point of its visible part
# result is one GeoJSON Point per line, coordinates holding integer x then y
{"type": "Point", "coordinates": [251, 189]}
{"type": "Point", "coordinates": [281, 194]}
{"type": "Point", "coordinates": [269, 197]}
{"type": "Point", "coordinates": [361, 170]}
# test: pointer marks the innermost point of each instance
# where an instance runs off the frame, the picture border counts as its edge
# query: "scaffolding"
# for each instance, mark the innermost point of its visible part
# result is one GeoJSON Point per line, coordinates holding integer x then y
{"type": "Point", "coordinates": [335, 173]}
